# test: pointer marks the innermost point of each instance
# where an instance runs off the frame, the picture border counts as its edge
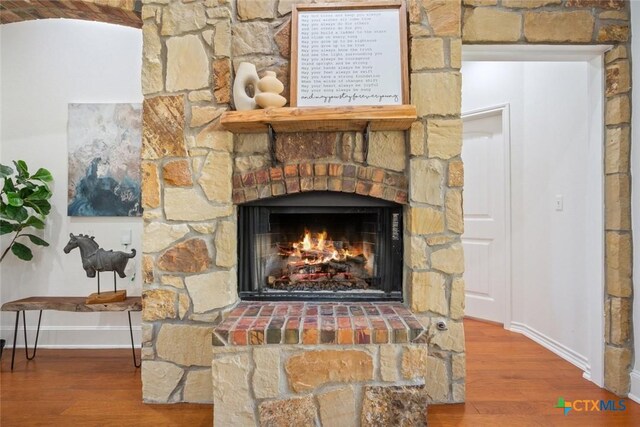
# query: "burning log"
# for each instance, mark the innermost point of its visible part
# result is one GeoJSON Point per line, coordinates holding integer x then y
{"type": "Point", "coordinates": [316, 254]}
{"type": "Point", "coordinates": [338, 266]}
{"type": "Point", "coordinates": [358, 259]}
{"type": "Point", "coordinates": [318, 263]}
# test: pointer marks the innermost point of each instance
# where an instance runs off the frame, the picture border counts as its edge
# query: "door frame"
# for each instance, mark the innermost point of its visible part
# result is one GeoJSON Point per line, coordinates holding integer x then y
{"type": "Point", "coordinates": [593, 55]}
{"type": "Point", "coordinates": [504, 110]}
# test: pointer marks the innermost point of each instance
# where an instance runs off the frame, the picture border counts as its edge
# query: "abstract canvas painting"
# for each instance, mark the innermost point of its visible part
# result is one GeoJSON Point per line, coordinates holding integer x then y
{"type": "Point", "coordinates": [104, 143]}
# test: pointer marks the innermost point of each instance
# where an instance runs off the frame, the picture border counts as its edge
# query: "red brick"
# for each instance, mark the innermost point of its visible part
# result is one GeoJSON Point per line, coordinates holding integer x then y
{"type": "Point", "coordinates": [306, 169]}
{"type": "Point", "coordinates": [276, 173]}
{"type": "Point", "coordinates": [264, 191]}
{"type": "Point", "coordinates": [335, 184]}
{"type": "Point", "coordinates": [389, 194]}
{"type": "Point", "coordinates": [363, 188]}
{"type": "Point", "coordinates": [320, 183]}
{"type": "Point", "coordinates": [401, 197]}
{"type": "Point", "coordinates": [364, 173]}
{"type": "Point", "coordinates": [239, 337]}
{"type": "Point", "coordinates": [262, 176]}
{"type": "Point", "coordinates": [349, 171]}
{"type": "Point", "coordinates": [248, 179]}
{"type": "Point", "coordinates": [238, 196]}
{"type": "Point", "coordinates": [349, 186]}
{"type": "Point", "coordinates": [320, 169]}
{"type": "Point", "coordinates": [306, 184]}
{"type": "Point", "coordinates": [345, 336]}
{"type": "Point", "coordinates": [290, 170]}
{"type": "Point", "coordinates": [237, 180]}
{"type": "Point", "coordinates": [377, 190]}
{"type": "Point", "coordinates": [250, 194]}
{"type": "Point", "coordinates": [293, 185]}
{"type": "Point", "coordinates": [335, 169]}
{"type": "Point", "coordinates": [278, 189]}
{"type": "Point", "coordinates": [377, 175]}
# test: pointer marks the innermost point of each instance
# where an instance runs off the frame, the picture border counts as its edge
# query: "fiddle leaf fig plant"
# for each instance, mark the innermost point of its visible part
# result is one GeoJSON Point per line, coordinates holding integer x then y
{"type": "Point", "coordinates": [24, 204]}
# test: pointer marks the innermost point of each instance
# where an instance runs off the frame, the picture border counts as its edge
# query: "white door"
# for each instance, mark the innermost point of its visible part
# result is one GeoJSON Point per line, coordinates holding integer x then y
{"type": "Point", "coordinates": [484, 153]}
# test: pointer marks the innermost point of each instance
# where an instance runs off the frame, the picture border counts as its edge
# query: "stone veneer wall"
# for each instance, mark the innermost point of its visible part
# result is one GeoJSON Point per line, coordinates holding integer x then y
{"type": "Point", "coordinates": [190, 49]}
{"type": "Point", "coordinates": [585, 22]}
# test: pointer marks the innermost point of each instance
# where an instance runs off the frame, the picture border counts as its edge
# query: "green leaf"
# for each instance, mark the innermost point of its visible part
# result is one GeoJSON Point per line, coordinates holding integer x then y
{"type": "Point", "coordinates": [15, 213]}
{"type": "Point", "coordinates": [14, 199]}
{"type": "Point", "coordinates": [5, 171]}
{"type": "Point", "coordinates": [40, 206]}
{"type": "Point", "coordinates": [42, 175]}
{"type": "Point", "coordinates": [35, 222]}
{"type": "Point", "coordinates": [42, 192]}
{"type": "Point", "coordinates": [8, 186]}
{"type": "Point", "coordinates": [21, 251]}
{"type": "Point", "coordinates": [6, 227]}
{"type": "Point", "coordinates": [21, 167]}
{"type": "Point", "coordinates": [35, 240]}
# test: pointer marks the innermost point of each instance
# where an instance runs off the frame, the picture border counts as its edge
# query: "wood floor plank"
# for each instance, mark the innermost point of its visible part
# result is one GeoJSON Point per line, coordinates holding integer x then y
{"type": "Point", "coordinates": [511, 381]}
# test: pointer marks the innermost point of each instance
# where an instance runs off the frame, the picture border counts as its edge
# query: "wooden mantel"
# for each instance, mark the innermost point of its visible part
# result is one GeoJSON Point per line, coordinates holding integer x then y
{"type": "Point", "coordinates": [319, 119]}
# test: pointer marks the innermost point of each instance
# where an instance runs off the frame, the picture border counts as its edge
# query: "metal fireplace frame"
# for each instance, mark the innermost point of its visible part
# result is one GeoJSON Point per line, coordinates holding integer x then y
{"type": "Point", "coordinates": [253, 218]}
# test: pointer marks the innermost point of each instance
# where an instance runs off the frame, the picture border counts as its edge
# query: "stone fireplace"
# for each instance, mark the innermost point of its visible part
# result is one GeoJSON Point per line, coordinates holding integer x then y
{"type": "Point", "coordinates": [277, 259]}
{"type": "Point", "coordinates": [328, 236]}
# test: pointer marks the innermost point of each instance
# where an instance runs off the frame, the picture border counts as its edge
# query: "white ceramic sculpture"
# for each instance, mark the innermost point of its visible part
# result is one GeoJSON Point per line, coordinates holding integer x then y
{"type": "Point", "coordinates": [270, 88]}
{"type": "Point", "coordinates": [245, 75]}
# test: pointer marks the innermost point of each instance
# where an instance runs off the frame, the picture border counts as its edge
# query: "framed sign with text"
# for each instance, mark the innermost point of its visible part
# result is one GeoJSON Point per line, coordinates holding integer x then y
{"type": "Point", "coordinates": [349, 54]}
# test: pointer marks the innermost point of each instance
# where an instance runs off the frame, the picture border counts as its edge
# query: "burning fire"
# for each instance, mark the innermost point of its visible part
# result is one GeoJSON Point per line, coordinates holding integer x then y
{"type": "Point", "coordinates": [318, 262]}
{"type": "Point", "coordinates": [317, 250]}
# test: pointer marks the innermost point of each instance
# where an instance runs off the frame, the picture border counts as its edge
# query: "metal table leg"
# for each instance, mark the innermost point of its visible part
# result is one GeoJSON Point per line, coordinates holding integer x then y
{"type": "Point", "coordinates": [133, 348]}
{"type": "Point", "coordinates": [15, 337]}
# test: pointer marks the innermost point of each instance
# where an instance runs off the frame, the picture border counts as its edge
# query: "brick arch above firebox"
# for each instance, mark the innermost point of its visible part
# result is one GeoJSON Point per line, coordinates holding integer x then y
{"type": "Point", "coordinates": [121, 12]}
{"type": "Point", "coordinates": [311, 176]}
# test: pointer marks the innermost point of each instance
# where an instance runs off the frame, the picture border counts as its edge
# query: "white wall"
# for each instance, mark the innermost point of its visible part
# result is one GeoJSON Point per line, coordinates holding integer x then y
{"type": "Point", "coordinates": [549, 136]}
{"type": "Point", "coordinates": [635, 192]}
{"type": "Point", "coordinates": [45, 65]}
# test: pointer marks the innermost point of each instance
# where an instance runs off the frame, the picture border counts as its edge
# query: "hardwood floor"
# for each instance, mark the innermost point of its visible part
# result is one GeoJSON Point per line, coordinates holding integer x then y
{"type": "Point", "coordinates": [511, 381]}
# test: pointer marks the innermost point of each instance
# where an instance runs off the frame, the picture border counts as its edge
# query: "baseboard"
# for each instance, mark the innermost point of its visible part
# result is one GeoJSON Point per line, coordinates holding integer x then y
{"type": "Point", "coordinates": [634, 394]}
{"type": "Point", "coordinates": [7, 348]}
{"type": "Point", "coordinates": [554, 346]}
{"type": "Point", "coordinates": [74, 337]}
{"type": "Point", "coordinates": [69, 328]}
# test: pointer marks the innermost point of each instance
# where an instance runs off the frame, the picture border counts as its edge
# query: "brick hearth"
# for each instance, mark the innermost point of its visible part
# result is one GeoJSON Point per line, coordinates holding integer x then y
{"type": "Point", "coordinates": [256, 323]}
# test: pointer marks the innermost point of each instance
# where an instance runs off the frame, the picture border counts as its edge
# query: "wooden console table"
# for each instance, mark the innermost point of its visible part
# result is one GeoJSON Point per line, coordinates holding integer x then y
{"type": "Point", "coordinates": [76, 304]}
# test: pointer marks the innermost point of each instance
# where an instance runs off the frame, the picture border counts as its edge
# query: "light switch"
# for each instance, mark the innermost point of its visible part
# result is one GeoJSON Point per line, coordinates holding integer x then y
{"type": "Point", "coordinates": [559, 202]}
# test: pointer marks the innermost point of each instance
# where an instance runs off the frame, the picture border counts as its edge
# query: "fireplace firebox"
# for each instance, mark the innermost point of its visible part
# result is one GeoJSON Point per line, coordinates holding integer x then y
{"type": "Point", "coordinates": [320, 246]}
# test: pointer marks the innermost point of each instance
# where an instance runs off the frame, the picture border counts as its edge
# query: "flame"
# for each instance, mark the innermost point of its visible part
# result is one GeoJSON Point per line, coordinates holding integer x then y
{"type": "Point", "coordinates": [306, 242]}
{"type": "Point", "coordinates": [323, 245]}
{"type": "Point", "coordinates": [321, 240]}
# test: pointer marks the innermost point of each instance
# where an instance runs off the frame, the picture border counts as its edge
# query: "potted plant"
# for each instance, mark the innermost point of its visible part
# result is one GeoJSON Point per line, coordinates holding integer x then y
{"type": "Point", "coordinates": [24, 204]}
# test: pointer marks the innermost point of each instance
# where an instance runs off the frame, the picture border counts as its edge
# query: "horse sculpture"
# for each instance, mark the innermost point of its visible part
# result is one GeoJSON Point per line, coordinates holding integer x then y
{"type": "Point", "coordinates": [95, 259]}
